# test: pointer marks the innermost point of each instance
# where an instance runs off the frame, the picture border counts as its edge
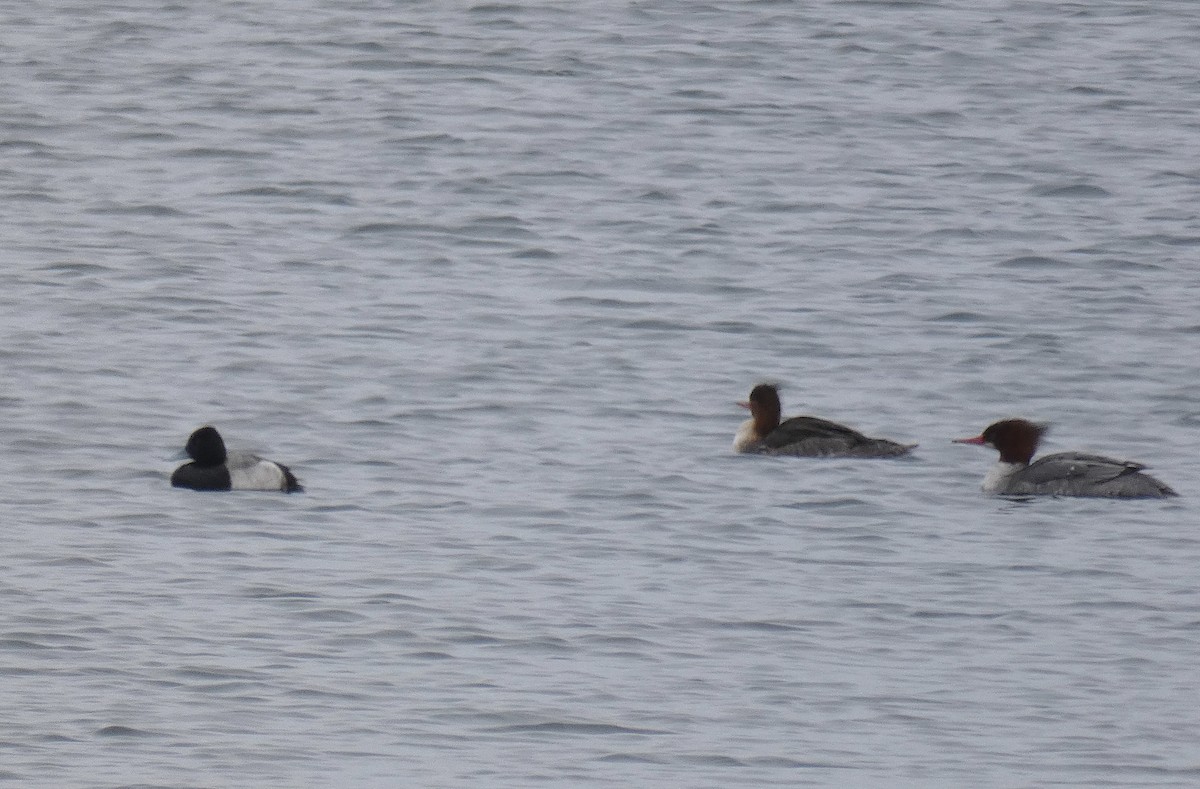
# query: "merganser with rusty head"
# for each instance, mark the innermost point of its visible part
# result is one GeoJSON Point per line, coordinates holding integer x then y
{"type": "Point", "coordinates": [804, 436]}
{"type": "Point", "coordinates": [1060, 474]}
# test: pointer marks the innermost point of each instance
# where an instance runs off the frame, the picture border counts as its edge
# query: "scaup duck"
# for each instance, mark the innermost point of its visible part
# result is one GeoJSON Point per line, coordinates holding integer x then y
{"type": "Point", "coordinates": [212, 468]}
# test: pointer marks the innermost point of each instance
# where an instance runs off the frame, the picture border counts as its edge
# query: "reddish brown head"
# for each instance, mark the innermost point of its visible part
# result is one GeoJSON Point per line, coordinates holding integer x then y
{"type": "Point", "coordinates": [1015, 439]}
{"type": "Point", "coordinates": [765, 407]}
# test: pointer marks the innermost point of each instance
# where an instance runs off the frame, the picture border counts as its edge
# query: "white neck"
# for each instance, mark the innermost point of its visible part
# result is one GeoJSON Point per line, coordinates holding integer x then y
{"type": "Point", "coordinates": [998, 476]}
{"type": "Point", "coordinates": [745, 436]}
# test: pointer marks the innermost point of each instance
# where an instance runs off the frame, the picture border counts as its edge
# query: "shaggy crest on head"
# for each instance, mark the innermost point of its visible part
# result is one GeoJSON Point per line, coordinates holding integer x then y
{"type": "Point", "coordinates": [1016, 439]}
{"type": "Point", "coordinates": [765, 407]}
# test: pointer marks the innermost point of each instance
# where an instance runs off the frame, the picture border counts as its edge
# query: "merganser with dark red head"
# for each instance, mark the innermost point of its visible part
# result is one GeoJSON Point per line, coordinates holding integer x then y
{"type": "Point", "coordinates": [1060, 474]}
{"type": "Point", "coordinates": [804, 436]}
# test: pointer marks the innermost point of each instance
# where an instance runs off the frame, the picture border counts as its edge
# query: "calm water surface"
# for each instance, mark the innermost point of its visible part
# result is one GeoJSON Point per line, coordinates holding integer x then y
{"type": "Point", "coordinates": [490, 278]}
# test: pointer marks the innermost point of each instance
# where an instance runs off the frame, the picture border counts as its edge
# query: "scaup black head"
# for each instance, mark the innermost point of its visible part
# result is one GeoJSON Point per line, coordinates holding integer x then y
{"type": "Point", "coordinates": [206, 447]}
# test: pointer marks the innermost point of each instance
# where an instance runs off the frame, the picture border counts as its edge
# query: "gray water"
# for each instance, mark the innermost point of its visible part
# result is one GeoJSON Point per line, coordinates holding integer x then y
{"type": "Point", "coordinates": [490, 279]}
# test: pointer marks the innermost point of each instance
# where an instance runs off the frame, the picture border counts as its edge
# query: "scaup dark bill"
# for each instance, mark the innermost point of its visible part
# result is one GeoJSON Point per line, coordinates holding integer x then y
{"type": "Point", "coordinates": [212, 468]}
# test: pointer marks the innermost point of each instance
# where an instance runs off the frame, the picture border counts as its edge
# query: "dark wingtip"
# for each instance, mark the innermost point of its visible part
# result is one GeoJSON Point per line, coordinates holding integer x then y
{"type": "Point", "coordinates": [291, 484]}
